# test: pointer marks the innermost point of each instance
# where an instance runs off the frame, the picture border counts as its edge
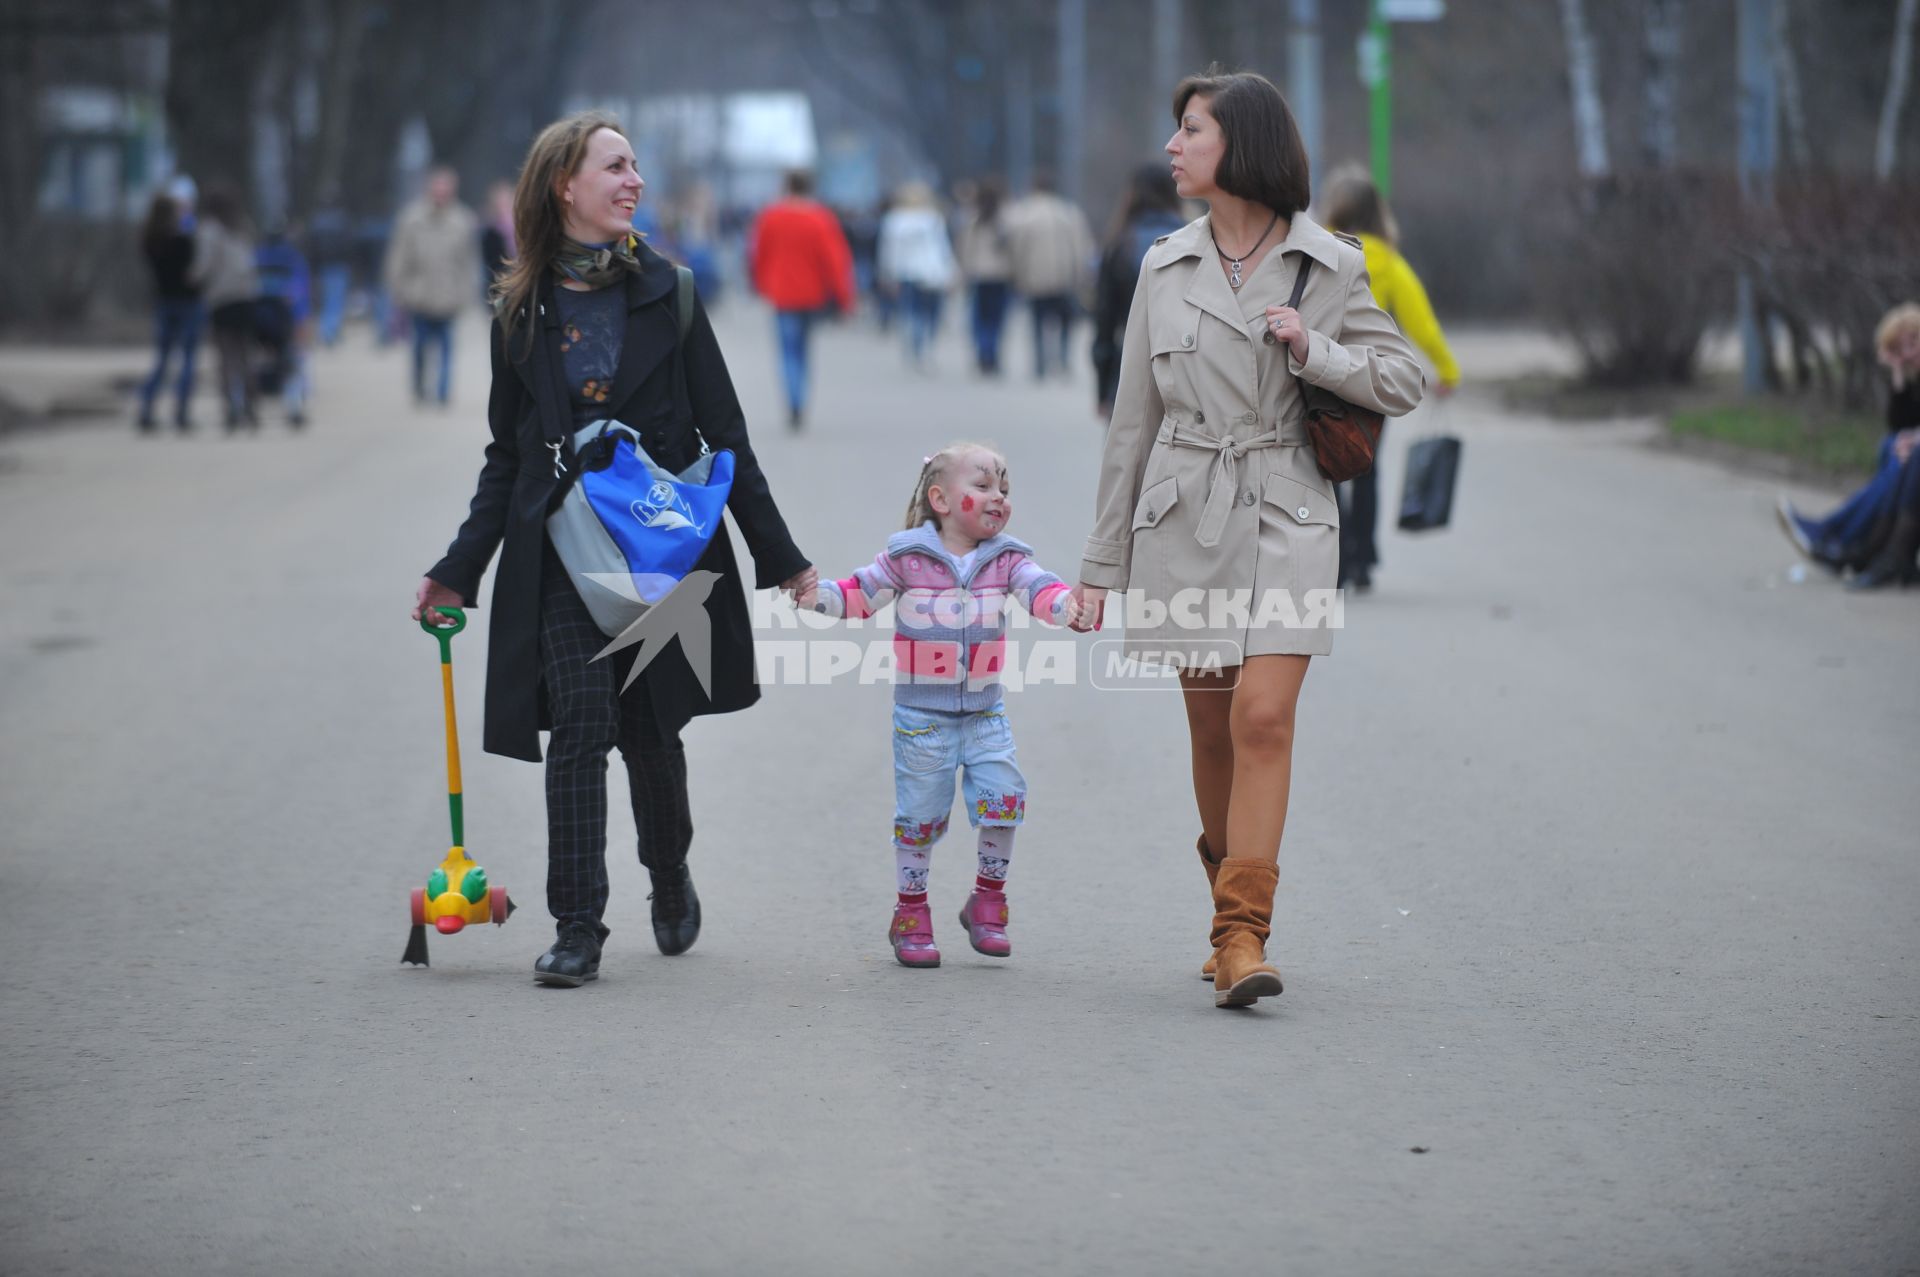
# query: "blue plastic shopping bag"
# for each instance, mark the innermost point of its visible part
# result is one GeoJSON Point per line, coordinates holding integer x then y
{"type": "Point", "coordinates": [628, 530]}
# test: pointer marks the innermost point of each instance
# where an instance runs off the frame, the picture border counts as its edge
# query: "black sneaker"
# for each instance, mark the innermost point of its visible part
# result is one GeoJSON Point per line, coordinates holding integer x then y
{"type": "Point", "coordinates": [574, 958]}
{"type": "Point", "coordinates": [676, 910]}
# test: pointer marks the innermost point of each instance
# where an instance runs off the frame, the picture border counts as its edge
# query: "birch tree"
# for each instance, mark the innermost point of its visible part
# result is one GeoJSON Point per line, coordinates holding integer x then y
{"type": "Point", "coordinates": [1660, 60]}
{"type": "Point", "coordinates": [1583, 75]}
{"type": "Point", "coordinates": [1890, 106]}
{"type": "Point", "coordinates": [1786, 70]}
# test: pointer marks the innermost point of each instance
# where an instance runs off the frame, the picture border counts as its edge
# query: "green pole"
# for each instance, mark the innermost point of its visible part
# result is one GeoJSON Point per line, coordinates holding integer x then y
{"type": "Point", "coordinates": [1381, 100]}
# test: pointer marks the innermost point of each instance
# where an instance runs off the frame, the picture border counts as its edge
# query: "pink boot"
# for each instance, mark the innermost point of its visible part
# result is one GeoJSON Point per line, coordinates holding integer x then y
{"type": "Point", "coordinates": [985, 918]}
{"type": "Point", "coordinates": [912, 936]}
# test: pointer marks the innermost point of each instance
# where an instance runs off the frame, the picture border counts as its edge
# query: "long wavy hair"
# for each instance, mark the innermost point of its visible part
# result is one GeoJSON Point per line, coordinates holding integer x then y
{"type": "Point", "coordinates": [539, 216]}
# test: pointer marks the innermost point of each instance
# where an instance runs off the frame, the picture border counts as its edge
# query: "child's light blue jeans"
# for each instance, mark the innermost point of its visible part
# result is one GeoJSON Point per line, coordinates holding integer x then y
{"type": "Point", "coordinates": [928, 745]}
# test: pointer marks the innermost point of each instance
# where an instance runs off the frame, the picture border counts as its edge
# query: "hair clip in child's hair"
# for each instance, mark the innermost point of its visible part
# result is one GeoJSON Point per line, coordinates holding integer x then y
{"type": "Point", "coordinates": [926, 461]}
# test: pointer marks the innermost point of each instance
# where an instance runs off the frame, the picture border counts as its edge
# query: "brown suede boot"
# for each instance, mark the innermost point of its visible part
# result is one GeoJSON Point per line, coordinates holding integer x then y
{"type": "Point", "coordinates": [1242, 919]}
{"type": "Point", "coordinates": [1212, 867]}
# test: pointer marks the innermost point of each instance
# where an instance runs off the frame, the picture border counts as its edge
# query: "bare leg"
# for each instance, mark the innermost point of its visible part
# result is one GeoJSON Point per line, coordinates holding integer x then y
{"type": "Point", "coordinates": [1209, 699]}
{"type": "Point", "coordinates": [1261, 718]}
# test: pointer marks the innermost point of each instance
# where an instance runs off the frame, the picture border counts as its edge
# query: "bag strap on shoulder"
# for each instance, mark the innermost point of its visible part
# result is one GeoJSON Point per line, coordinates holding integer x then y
{"type": "Point", "coordinates": [683, 317]}
{"type": "Point", "coordinates": [683, 299]}
{"type": "Point", "coordinates": [1300, 282]}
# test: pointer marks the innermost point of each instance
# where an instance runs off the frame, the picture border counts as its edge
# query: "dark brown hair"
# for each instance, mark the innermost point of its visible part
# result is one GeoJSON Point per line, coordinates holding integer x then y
{"type": "Point", "coordinates": [539, 221]}
{"type": "Point", "coordinates": [163, 222]}
{"type": "Point", "coordinates": [1264, 159]}
{"type": "Point", "coordinates": [989, 193]}
{"type": "Point", "coordinates": [1353, 205]}
{"type": "Point", "coordinates": [220, 202]}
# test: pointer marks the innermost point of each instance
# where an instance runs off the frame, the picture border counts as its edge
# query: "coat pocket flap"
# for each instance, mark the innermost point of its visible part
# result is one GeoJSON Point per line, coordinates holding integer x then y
{"type": "Point", "coordinates": [1301, 503]}
{"type": "Point", "coordinates": [1172, 338]}
{"type": "Point", "coordinates": [1155, 502]}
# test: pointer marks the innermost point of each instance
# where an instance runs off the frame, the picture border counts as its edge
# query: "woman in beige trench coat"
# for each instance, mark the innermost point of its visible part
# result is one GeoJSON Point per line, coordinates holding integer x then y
{"type": "Point", "coordinates": [1212, 512]}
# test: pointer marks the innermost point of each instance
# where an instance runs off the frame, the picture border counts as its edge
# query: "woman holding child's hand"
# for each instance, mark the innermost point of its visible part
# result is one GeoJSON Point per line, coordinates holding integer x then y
{"type": "Point", "coordinates": [1211, 506]}
{"type": "Point", "coordinates": [587, 327]}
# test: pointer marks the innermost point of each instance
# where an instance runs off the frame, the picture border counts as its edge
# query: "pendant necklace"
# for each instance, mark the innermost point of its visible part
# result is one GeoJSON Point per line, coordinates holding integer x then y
{"type": "Point", "coordinates": [1233, 263]}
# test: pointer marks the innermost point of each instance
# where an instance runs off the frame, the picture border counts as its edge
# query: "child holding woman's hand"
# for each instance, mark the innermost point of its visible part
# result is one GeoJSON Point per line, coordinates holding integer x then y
{"type": "Point", "coordinates": [953, 570]}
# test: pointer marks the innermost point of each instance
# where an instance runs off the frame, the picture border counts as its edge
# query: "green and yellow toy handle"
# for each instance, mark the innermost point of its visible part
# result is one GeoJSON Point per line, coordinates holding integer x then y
{"type": "Point", "coordinates": [457, 892]}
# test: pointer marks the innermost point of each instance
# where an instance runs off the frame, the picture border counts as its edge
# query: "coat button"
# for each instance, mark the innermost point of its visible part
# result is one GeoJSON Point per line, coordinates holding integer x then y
{"type": "Point", "coordinates": [1303, 512]}
{"type": "Point", "coordinates": [1187, 340]}
{"type": "Point", "coordinates": [1246, 498]}
{"type": "Point", "coordinates": [1250, 418]}
{"type": "Point", "coordinates": [1268, 338]}
{"type": "Point", "coordinates": [1199, 418]}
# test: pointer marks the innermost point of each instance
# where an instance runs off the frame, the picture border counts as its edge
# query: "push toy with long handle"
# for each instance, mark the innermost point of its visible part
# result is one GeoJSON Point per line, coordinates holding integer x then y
{"type": "Point", "coordinates": [456, 892]}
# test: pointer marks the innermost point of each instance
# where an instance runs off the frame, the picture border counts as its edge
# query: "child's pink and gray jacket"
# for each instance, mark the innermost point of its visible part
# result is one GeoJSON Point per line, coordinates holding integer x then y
{"type": "Point", "coordinates": [950, 629]}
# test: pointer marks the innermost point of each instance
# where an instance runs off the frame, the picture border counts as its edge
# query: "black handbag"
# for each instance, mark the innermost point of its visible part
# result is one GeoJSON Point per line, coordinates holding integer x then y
{"type": "Point", "coordinates": [1426, 491]}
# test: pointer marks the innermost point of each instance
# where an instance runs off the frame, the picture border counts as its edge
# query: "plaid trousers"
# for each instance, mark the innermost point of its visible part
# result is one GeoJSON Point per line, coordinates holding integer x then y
{"type": "Point", "coordinates": [591, 716]}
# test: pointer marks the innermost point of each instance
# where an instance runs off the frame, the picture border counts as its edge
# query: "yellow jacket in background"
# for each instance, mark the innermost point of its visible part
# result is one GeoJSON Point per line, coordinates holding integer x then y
{"type": "Point", "coordinates": [1398, 291]}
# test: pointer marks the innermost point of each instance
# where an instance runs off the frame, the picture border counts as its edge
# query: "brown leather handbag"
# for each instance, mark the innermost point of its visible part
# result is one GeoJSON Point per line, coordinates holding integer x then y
{"type": "Point", "coordinates": [1344, 436]}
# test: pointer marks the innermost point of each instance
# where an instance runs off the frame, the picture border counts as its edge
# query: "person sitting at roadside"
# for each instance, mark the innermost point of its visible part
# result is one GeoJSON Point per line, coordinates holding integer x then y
{"type": "Point", "coordinates": [1866, 526]}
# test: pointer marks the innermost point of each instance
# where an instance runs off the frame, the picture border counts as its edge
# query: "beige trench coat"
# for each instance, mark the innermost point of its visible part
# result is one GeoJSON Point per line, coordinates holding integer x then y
{"type": "Point", "coordinates": [1210, 505]}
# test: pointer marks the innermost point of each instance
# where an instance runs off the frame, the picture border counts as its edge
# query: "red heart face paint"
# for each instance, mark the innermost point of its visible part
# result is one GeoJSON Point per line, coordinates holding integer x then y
{"type": "Point", "coordinates": [980, 508]}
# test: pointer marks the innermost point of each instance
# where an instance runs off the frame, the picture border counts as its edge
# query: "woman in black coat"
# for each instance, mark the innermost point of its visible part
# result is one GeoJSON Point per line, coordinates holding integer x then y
{"type": "Point", "coordinates": [586, 328]}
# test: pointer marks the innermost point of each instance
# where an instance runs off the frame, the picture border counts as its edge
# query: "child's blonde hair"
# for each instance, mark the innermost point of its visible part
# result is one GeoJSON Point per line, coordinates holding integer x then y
{"type": "Point", "coordinates": [934, 469]}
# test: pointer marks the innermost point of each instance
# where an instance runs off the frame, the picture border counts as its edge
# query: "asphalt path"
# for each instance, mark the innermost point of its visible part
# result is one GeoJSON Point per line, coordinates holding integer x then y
{"type": "Point", "coordinates": [1599, 907]}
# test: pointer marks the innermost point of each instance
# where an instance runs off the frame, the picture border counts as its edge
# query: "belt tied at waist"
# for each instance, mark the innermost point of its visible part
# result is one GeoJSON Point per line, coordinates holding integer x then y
{"type": "Point", "coordinates": [1225, 480]}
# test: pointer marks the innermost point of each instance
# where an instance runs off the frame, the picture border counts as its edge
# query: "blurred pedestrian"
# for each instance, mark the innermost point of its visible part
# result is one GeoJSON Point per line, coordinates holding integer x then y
{"type": "Point", "coordinates": [1151, 210]}
{"type": "Point", "coordinates": [285, 316]}
{"type": "Point", "coordinates": [371, 237]}
{"type": "Point", "coordinates": [1053, 251]}
{"type": "Point", "coordinates": [1861, 535]}
{"type": "Point", "coordinates": [432, 267]}
{"type": "Point", "coordinates": [223, 267]}
{"type": "Point", "coordinates": [329, 251]}
{"type": "Point", "coordinates": [916, 264]}
{"type": "Point", "coordinates": [986, 261]}
{"type": "Point", "coordinates": [1355, 207]}
{"type": "Point", "coordinates": [862, 229]}
{"type": "Point", "coordinates": [496, 235]}
{"type": "Point", "coordinates": [800, 262]}
{"type": "Point", "coordinates": [177, 311]}
{"type": "Point", "coordinates": [1208, 482]}
{"type": "Point", "coordinates": [587, 306]}
{"type": "Point", "coordinates": [696, 233]}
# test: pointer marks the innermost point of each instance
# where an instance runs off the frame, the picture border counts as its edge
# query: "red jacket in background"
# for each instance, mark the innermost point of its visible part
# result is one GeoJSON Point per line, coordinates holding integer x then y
{"type": "Point", "coordinates": [800, 259]}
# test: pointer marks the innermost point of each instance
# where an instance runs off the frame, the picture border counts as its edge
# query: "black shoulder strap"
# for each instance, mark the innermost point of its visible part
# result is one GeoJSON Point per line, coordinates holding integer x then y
{"type": "Point", "coordinates": [1300, 282]}
{"type": "Point", "coordinates": [683, 316]}
{"type": "Point", "coordinates": [683, 298]}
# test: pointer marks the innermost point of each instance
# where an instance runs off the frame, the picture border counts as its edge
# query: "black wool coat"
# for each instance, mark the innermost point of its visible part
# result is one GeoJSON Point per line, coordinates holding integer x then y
{"type": "Point", "coordinates": [518, 489]}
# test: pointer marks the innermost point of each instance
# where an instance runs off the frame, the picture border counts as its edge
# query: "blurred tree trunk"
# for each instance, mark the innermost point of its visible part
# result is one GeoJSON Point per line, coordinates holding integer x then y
{"type": "Point", "coordinates": [215, 51]}
{"type": "Point", "coordinates": [1583, 77]}
{"type": "Point", "coordinates": [1886, 143]}
{"type": "Point", "coordinates": [914, 45]}
{"type": "Point", "coordinates": [20, 139]}
{"type": "Point", "coordinates": [1793, 111]}
{"type": "Point", "coordinates": [346, 24]}
{"type": "Point", "coordinates": [1660, 60]}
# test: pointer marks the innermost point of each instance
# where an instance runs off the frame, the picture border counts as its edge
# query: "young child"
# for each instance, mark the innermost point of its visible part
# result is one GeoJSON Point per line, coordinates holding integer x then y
{"type": "Point", "coordinates": [953, 569]}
